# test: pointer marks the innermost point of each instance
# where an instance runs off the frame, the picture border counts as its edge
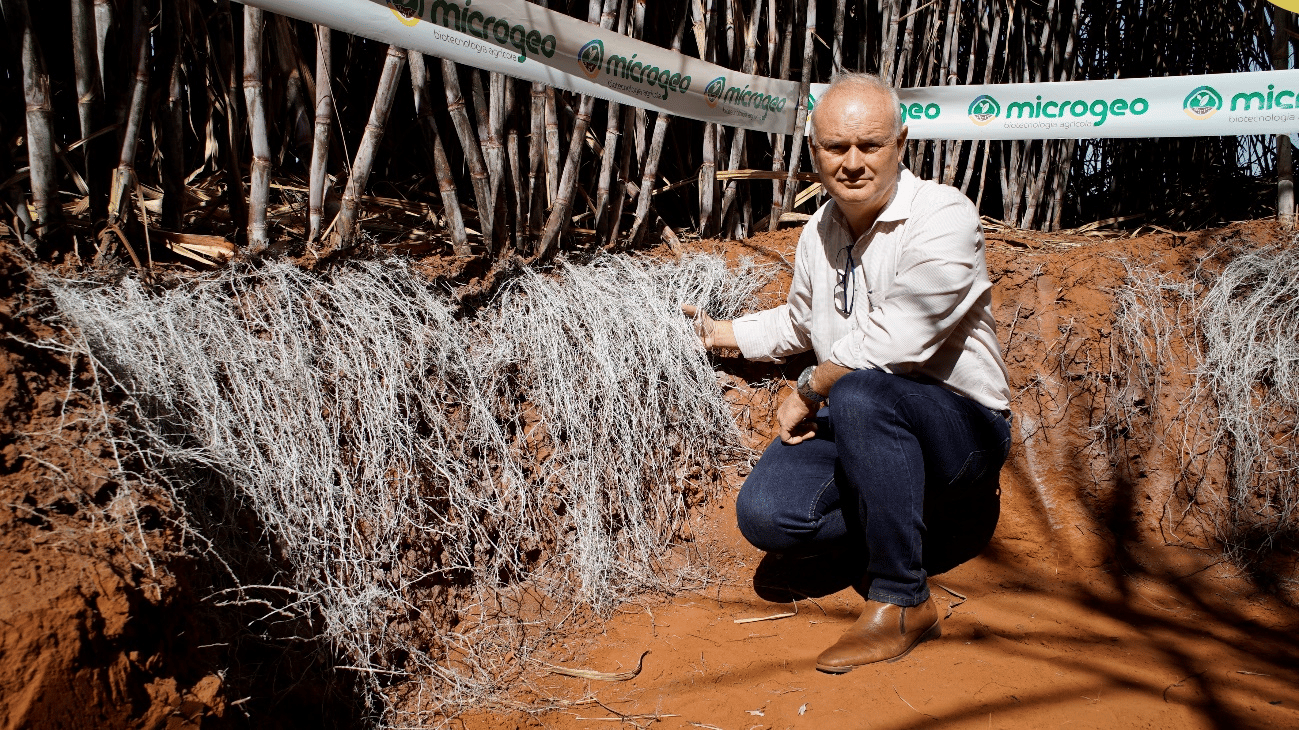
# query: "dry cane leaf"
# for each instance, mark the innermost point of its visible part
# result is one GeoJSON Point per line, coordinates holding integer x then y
{"type": "Point", "coordinates": [600, 676]}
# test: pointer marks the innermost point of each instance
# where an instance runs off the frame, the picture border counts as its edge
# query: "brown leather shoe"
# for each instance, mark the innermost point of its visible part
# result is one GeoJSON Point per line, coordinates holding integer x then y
{"type": "Point", "coordinates": [884, 632]}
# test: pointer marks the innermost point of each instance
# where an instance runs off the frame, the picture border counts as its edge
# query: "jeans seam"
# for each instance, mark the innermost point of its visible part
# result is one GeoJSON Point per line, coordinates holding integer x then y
{"type": "Point", "coordinates": [811, 507]}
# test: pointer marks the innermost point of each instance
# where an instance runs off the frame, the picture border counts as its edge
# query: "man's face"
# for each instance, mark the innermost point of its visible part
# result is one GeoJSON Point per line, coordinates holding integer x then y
{"type": "Point", "coordinates": [856, 153]}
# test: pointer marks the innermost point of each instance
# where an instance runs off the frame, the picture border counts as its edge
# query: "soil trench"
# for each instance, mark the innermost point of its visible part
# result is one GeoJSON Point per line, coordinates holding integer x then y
{"type": "Point", "coordinates": [1100, 601]}
{"type": "Point", "coordinates": [1096, 605]}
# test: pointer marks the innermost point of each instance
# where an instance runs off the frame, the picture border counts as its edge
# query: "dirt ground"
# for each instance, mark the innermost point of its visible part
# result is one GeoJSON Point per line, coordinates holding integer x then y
{"type": "Point", "coordinates": [1094, 606]}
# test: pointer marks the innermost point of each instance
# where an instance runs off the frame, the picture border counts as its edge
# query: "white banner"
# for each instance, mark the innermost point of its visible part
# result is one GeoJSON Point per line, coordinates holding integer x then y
{"type": "Point", "coordinates": [530, 42]}
{"type": "Point", "coordinates": [1260, 102]}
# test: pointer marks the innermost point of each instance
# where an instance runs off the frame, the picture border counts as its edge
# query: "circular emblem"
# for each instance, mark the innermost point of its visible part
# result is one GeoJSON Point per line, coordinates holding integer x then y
{"type": "Point", "coordinates": [714, 90]}
{"type": "Point", "coordinates": [591, 56]}
{"type": "Point", "coordinates": [984, 109]}
{"type": "Point", "coordinates": [1202, 103]}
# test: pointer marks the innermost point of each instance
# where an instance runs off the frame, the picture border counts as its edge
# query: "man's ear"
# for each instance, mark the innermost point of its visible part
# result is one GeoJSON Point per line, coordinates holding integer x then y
{"type": "Point", "coordinates": [811, 154]}
{"type": "Point", "coordinates": [902, 136]}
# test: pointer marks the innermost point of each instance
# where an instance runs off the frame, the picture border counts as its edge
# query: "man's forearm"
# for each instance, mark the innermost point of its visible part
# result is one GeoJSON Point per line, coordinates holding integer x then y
{"type": "Point", "coordinates": [722, 335]}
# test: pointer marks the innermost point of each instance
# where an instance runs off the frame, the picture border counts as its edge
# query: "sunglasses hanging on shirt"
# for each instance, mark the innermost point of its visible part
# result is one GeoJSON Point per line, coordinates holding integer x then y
{"type": "Point", "coordinates": [845, 288]}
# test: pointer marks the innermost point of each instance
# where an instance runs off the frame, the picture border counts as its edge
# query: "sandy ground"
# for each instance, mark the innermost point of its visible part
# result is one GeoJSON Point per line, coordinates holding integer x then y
{"type": "Point", "coordinates": [1091, 607]}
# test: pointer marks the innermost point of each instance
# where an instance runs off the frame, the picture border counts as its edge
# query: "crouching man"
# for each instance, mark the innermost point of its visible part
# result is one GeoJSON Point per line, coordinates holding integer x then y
{"type": "Point", "coordinates": [900, 431]}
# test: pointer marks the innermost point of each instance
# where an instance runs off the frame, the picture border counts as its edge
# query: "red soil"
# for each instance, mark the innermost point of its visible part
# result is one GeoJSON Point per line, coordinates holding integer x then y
{"type": "Point", "coordinates": [1095, 605]}
{"type": "Point", "coordinates": [1082, 612]}
{"type": "Point", "coordinates": [90, 625]}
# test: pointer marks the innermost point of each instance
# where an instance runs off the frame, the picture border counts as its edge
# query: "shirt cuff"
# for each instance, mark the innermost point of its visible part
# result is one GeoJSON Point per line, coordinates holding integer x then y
{"type": "Point", "coordinates": [750, 335]}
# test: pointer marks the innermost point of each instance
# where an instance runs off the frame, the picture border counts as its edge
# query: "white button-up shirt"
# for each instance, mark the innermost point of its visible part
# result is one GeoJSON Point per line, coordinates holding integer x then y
{"type": "Point", "coordinates": [922, 300]}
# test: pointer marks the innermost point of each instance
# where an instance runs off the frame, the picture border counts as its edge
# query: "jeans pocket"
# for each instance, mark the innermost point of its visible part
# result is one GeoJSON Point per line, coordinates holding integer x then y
{"type": "Point", "coordinates": [972, 470]}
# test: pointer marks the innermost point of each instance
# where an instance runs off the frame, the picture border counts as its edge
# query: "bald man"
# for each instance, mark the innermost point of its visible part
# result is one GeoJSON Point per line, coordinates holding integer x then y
{"type": "Point", "coordinates": [900, 430]}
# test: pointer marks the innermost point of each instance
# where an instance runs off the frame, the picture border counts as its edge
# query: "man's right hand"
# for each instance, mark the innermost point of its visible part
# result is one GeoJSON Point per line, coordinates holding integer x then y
{"type": "Point", "coordinates": [795, 416]}
{"type": "Point", "coordinates": [716, 334]}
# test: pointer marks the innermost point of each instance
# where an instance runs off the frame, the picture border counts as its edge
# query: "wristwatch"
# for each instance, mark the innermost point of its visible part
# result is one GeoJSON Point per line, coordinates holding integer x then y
{"type": "Point", "coordinates": [805, 386]}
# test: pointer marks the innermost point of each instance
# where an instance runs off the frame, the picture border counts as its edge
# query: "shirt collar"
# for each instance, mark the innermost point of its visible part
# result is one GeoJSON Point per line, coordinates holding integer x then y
{"type": "Point", "coordinates": [899, 206]}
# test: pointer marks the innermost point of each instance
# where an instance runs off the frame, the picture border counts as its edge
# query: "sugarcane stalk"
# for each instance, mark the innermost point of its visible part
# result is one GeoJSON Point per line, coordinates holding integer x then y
{"type": "Point", "coordinates": [259, 175]}
{"type": "Point", "coordinates": [40, 129]}
{"type": "Point", "coordinates": [558, 219]}
{"type": "Point", "coordinates": [651, 167]}
{"type": "Point", "coordinates": [836, 50]}
{"type": "Point", "coordinates": [320, 139]}
{"type": "Point", "coordinates": [230, 60]}
{"type": "Point", "coordinates": [624, 171]}
{"type": "Point", "coordinates": [630, 117]}
{"type": "Point", "coordinates": [607, 162]}
{"type": "Point", "coordinates": [369, 147]}
{"type": "Point", "coordinates": [889, 38]}
{"type": "Point", "coordinates": [172, 139]}
{"type": "Point", "coordinates": [552, 148]}
{"type": "Point", "coordinates": [773, 37]}
{"type": "Point", "coordinates": [536, 150]}
{"type": "Point", "coordinates": [957, 147]}
{"type": "Point", "coordinates": [501, 108]}
{"type": "Point", "coordinates": [103, 23]}
{"type": "Point", "coordinates": [946, 78]}
{"type": "Point", "coordinates": [469, 145]}
{"type": "Point", "coordinates": [708, 197]}
{"type": "Point", "coordinates": [125, 173]}
{"type": "Point", "coordinates": [738, 139]}
{"type": "Point", "coordinates": [89, 88]}
{"type": "Point", "coordinates": [441, 168]}
{"type": "Point", "coordinates": [1062, 183]}
{"type": "Point", "coordinates": [729, 15]}
{"type": "Point", "coordinates": [491, 122]}
{"type": "Point", "coordinates": [778, 141]}
{"type": "Point", "coordinates": [908, 37]}
{"type": "Point", "coordinates": [994, 44]}
{"type": "Point", "coordinates": [90, 97]}
{"type": "Point", "coordinates": [298, 92]}
{"type": "Point", "coordinates": [800, 124]}
{"type": "Point", "coordinates": [516, 170]}
{"type": "Point", "coordinates": [646, 195]}
{"type": "Point", "coordinates": [612, 133]}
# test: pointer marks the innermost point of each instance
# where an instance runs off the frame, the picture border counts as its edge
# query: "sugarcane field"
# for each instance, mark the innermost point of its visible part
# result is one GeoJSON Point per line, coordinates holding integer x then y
{"type": "Point", "coordinates": [724, 364]}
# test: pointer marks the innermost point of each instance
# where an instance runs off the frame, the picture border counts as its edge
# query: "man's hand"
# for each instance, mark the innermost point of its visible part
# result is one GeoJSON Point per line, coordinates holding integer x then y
{"type": "Point", "coordinates": [795, 418]}
{"type": "Point", "coordinates": [796, 413]}
{"type": "Point", "coordinates": [715, 334]}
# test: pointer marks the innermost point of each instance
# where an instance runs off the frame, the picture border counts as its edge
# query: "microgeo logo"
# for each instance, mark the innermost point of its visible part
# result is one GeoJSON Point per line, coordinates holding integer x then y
{"type": "Point", "coordinates": [714, 90]}
{"type": "Point", "coordinates": [591, 57]}
{"type": "Point", "coordinates": [1097, 109]}
{"type": "Point", "coordinates": [463, 19]}
{"type": "Point", "coordinates": [407, 11]}
{"type": "Point", "coordinates": [984, 109]}
{"type": "Point", "coordinates": [1202, 103]}
{"type": "Point", "coordinates": [736, 100]}
{"type": "Point", "coordinates": [595, 60]}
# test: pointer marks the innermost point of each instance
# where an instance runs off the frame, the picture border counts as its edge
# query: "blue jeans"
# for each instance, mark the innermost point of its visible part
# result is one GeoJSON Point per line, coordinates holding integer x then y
{"type": "Point", "coordinates": [896, 464]}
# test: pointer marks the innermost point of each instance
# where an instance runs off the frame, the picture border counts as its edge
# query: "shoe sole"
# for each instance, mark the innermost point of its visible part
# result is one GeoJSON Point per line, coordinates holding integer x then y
{"type": "Point", "coordinates": [933, 632]}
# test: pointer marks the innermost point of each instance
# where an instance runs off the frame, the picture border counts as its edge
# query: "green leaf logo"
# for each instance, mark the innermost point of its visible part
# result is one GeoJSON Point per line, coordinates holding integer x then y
{"type": "Point", "coordinates": [1202, 103]}
{"type": "Point", "coordinates": [714, 90]}
{"type": "Point", "coordinates": [984, 109]}
{"type": "Point", "coordinates": [591, 56]}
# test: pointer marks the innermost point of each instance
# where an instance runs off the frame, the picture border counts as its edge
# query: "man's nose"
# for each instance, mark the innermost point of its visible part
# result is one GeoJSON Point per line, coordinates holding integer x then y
{"type": "Point", "coordinates": [854, 159]}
